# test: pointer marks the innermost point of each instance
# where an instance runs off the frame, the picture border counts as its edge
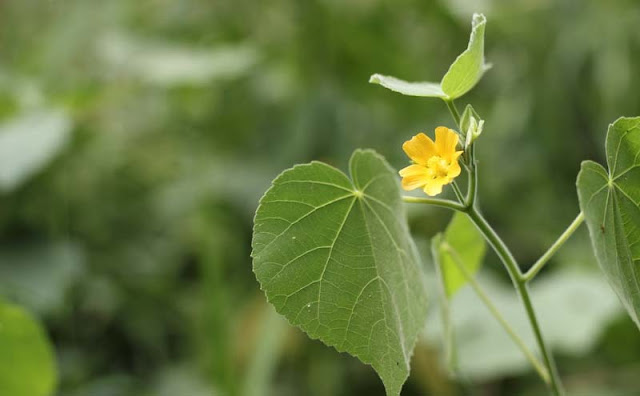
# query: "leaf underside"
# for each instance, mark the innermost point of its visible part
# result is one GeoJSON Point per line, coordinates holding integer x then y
{"type": "Point", "coordinates": [335, 257]}
{"type": "Point", "coordinates": [424, 88]}
{"type": "Point", "coordinates": [464, 244]}
{"type": "Point", "coordinates": [610, 201]}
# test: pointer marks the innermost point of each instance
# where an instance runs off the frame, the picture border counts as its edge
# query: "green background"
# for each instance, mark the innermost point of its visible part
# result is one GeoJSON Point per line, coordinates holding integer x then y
{"type": "Point", "coordinates": [136, 138]}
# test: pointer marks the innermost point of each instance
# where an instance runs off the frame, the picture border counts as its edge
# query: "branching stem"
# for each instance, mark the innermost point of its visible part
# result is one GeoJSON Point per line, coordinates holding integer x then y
{"type": "Point", "coordinates": [520, 285]}
{"type": "Point", "coordinates": [517, 277]}
{"type": "Point", "coordinates": [457, 191]}
{"type": "Point", "coordinates": [535, 268]}
{"type": "Point", "coordinates": [540, 368]}
{"type": "Point", "coordinates": [445, 203]}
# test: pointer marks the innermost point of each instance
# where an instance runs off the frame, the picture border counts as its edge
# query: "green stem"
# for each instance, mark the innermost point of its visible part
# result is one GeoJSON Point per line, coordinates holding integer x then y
{"type": "Point", "coordinates": [453, 110]}
{"type": "Point", "coordinates": [496, 243]}
{"type": "Point", "coordinates": [498, 316]}
{"type": "Point", "coordinates": [518, 279]}
{"type": "Point", "coordinates": [445, 203]}
{"type": "Point", "coordinates": [472, 187]}
{"type": "Point", "coordinates": [473, 179]}
{"type": "Point", "coordinates": [520, 285]}
{"type": "Point", "coordinates": [447, 327]}
{"type": "Point", "coordinates": [456, 190]}
{"type": "Point", "coordinates": [533, 271]}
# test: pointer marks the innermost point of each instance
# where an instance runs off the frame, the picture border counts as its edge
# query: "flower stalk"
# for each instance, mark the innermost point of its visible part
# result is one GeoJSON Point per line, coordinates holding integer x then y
{"type": "Point", "coordinates": [469, 206]}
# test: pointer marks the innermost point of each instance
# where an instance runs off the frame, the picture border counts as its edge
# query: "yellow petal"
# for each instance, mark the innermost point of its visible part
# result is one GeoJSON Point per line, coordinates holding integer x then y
{"type": "Point", "coordinates": [420, 148]}
{"type": "Point", "coordinates": [414, 176]}
{"type": "Point", "coordinates": [446, 141]}
{"type": "Point", "coordinates": [453, 171]}
{"type": "Point", "coordinates": [433, 188]}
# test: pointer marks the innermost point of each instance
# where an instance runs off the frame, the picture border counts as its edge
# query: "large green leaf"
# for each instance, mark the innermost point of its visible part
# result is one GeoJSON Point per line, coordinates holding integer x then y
{"type": "Point", "coordinates": [335, 257]}
{"type": "Point", "coordinates": [461, 245]}
{"type": "Point", "coordinates": [610, 201]}
{"type": "Point", "coordinates": [27, 366]}
{"type": "Point", "coordinates": [463, 74]}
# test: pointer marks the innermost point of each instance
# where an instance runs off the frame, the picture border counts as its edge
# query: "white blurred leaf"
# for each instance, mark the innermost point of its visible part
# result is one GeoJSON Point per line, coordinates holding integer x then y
{"type": "Point", "coordinates": [168, 64]}
{"type": "Point", "coordinates": [181, 380]}
{"type": "Point", "coordinates": [39, 275]}
{"type": "Point", "coordinates": [28, 143]}
{"type": "Point", "coordinates": [574, 308]}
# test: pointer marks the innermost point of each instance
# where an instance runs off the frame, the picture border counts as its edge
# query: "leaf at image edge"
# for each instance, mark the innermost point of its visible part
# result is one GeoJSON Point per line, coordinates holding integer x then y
{"type": "Point", "coordinates": [610, 201]}
{"type": "Point", "coordinates": [27, 363]}
{"type": "Point", "coordinates": [335, 257]}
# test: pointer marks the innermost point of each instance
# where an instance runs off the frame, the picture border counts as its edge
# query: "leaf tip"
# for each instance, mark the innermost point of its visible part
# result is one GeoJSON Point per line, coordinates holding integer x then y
{"type": "Point", "coordinates": [477, 19]}
{"type": "Point", "coordinates": [375, 79]}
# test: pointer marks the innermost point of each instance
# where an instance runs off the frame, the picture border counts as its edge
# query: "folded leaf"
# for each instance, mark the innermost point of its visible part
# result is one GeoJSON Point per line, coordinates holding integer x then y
{"type": "Point", "coordinates": [335, 257]}
{"type": "Point", "coordinates": [610, 201]}
{"type": "Point", "coordinates": [465, 72]}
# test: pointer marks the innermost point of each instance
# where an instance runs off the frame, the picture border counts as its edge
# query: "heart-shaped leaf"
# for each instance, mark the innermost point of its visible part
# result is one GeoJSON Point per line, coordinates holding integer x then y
{"type": "Point", "coordinates": [610, 201]}
{"type": "Point", "coordinates": [335, 257]}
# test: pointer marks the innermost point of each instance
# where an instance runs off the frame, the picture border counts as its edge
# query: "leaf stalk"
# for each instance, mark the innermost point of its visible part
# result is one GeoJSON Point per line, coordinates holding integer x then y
{"type": "Point", "coordinates": [477, 288]}
{"type": "Point", "coordinates": [535, 268]}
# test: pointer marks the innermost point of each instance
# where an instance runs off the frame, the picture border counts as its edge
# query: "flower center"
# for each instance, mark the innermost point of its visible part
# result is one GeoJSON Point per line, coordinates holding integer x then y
{"type": "Point", "coordinates": [439, 166]}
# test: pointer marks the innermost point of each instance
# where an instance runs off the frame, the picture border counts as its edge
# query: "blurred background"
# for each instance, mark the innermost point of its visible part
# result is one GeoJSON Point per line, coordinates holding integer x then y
{"type": "Point", "coordinates": [136, 138]}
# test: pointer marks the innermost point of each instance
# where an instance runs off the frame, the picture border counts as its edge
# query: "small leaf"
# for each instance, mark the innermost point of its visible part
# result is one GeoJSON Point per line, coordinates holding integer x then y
{"type": "Point", "coordinates": [463, 243]}
{"type": "Point", "coordinates": [610, 201]}
{"type": "Point", "coordinates": [335, 257]}
{"type": "Point", "coordinates": [428, 89]}
{"type": "Point", "coordinates": [465, 72]}
{"type": "Point", "coordinates": [27, 365]}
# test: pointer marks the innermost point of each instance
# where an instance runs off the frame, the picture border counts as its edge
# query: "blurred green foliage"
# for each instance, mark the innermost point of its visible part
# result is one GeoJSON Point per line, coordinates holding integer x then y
{"type": "Point", "coordinates": [136, 138]}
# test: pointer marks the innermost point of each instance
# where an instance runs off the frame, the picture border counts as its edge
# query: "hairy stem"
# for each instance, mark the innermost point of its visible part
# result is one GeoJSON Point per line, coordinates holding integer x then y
{"type": "Point", "coordinates": [473, 179]}
{"type": "Point", "coordinates": [520, 285]}
{"type": "Point", "coordinates": [457, 191]}
{"type": "Point", "coordinates": [453, 110]}
{"type": "Point", "coordinates": [542, 371]}
{"type": "Point", "coordinates": [533, 271]}
{"type": "Point", "coordinates": [517, 277]}
{"type": "Point", "coordinates": [445, 203]}
{"type": "Point", "coordinates": [449, 335]}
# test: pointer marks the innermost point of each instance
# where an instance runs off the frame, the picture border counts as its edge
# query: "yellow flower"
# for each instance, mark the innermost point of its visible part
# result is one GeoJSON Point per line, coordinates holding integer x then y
{"type": "Point", "coordinates": [435, 164]}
